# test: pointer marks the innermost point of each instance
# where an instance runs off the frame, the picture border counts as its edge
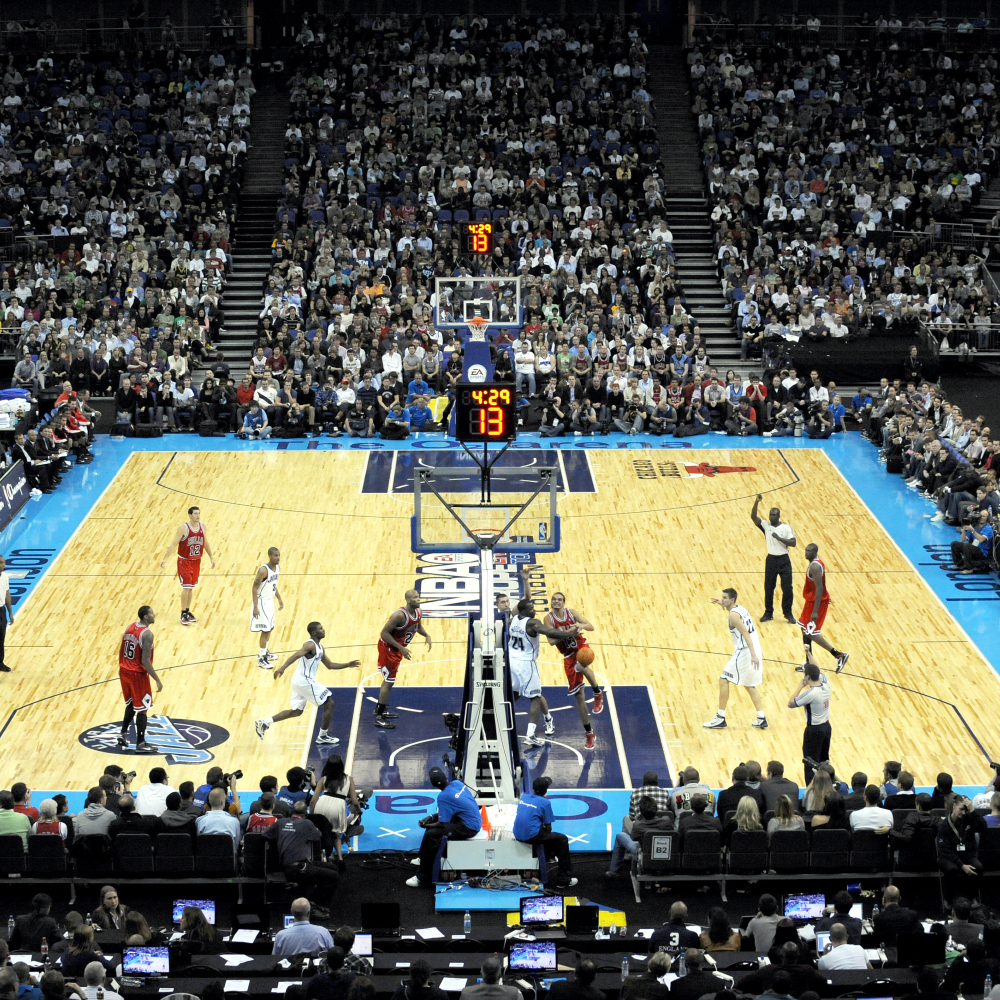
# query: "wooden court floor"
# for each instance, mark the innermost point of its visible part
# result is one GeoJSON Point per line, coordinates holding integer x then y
{"type": "Point", "coordinates": [640, 558]}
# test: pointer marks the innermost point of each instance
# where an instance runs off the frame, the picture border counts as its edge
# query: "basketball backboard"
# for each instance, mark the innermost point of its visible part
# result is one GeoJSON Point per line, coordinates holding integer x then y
{"type": "Point", "coordinates": [521, 516]}
{"type": "Point", "coordinates": [459, 302]}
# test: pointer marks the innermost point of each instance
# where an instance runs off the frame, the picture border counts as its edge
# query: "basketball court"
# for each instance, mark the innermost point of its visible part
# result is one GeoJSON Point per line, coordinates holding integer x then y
{"type": "Point", "coordinates": [648, 537]}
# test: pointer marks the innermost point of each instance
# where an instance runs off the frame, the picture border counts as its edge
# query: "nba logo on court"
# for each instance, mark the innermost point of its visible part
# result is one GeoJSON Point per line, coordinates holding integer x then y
{"type": "Point", "coordinates": [182, 741]}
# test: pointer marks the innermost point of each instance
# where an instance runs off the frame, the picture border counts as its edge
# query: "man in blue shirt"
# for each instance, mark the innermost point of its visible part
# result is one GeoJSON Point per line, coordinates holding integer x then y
{"type": "Point", "coordinates": [457, 818]}
{"type": "Point", "coordinates": [533, 825]}
{"type": "Point", "coordinates": [302, 937]}
{"type": "Point", "coordinates": [972, 551]}
{"type": "Point", "coordinates": [421, 418]}
{"type": "Point", "coordinates": [218, 820]}
{"type": "Point", "coordinates": [255, 423]}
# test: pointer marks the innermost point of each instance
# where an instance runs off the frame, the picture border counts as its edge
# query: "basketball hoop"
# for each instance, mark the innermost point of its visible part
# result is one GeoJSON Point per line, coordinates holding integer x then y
{"type": "Point", "coordinates": [477, 327]}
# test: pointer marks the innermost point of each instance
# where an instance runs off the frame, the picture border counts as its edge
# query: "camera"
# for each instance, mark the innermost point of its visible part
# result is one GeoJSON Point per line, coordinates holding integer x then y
{"type": "Point", "coordinates": [129, 776]}
{"type": "Point", "coordinates": [452, 721]}
{"type": "Point", "coordinates": [230, 778]}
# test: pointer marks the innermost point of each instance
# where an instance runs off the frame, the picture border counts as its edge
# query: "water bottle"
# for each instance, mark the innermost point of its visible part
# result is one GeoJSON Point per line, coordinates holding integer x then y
{"type": "Point", "coordinates": [682, 968]}
{"type": "Point", "coordinates": [10, 927]}
{"type": "Point", "coordinates": [624, 930]}
{"type": "Point", "coordinates": [45, 951]}
{"type": "Point", "coordinates": [625, 968]}
{"type": "Point", "coordinates": [875, 912]}
{"type": "Point", "coordinates": [467, 923]}
{"type": "Point", "coordinates": [89, 921]}
{"type": "Point", "coordinates": [100, 993]}
{"type": "Point", "coordinates": [987, 986]}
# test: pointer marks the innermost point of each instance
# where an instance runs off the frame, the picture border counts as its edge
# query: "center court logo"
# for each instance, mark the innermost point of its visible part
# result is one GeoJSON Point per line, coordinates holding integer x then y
{"type": "Point", "coordinates": [182, 741]}
{"type": "Point", "coordinates": [448, 582]}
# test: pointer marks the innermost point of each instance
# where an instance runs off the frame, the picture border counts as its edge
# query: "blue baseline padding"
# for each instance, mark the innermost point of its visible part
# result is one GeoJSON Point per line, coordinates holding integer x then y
{"type": "Point", "coordinates": [465, 897]}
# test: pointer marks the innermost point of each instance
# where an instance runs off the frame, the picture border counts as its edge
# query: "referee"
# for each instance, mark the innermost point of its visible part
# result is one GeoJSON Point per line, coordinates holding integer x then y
{"type": "Point", "coordinates": [813, 694]}
{"type": "Point", "coordinates": [780, 538]}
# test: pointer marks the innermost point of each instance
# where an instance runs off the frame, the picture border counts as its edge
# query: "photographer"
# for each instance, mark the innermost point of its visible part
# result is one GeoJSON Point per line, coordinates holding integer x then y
{"type": "Point", "coordinates": [958, 850]}
{"type": "Point", "coordinates": [820, 422]}
{"type": "Point", "coordinates": [784, 420]}
{"type": "Point", "coordinates": [216, 778]}
{"type": "Point", "coordinates": [972, 550]}
{"type": "Point", "coordinates": [299, 788]}
{"type": "Point", "coordinates": [743, 422]}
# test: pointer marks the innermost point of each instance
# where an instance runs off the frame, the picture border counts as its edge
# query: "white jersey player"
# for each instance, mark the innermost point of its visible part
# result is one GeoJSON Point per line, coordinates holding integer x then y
{"type": "Point", "coordinates": [306, 689]}
{"type": "Point", "coordinates": [263, 594]}
{"type": "Point", "coordinates": [523, 631]}
{"type": "Point", "coordinates": [745, 666]}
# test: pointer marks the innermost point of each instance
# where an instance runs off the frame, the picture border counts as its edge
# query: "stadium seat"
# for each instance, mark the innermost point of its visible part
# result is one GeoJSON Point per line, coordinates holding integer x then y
{"type": "Point", "coordinates": [790, 850]}
{"type": "Point", "coordinates": [214, 855]}
{"type": "Point", "coordinates": [12, 857]}
{"type": "Point", "coordinates": [830, 850]}
{"type": "Point", "coordinates": [133, 854]}
{"type": "Point", "coordinates": [748, 851]}
{"type": "Point", "coordinates": [920, 855]}
{"type": "Point", "coordinates": [869, 851]}
{"type": "Point", "coordinates": [46, 855]}
{"type": "Point", "coordinates": [92, 855]}
{"type": "Point", "coordinates": [701, 852]}
{"type": "Point", "coordinates": [174, 854]}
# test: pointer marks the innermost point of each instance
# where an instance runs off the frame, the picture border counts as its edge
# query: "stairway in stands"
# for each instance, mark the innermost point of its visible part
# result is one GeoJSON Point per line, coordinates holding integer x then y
{"type": "Point", "coordinates": [251, 248]}
{"type": "Point", "coordinates": [687, 207]}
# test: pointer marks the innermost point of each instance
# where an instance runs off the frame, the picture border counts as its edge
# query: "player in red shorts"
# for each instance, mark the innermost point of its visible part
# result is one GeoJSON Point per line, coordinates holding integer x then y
{"type": "Point", "coordinates": [576, 673]}
{"type": "Point", "coordinates": [135, 667]}
{"type": "Point", "coordinates": [191, 542]}
{"type": "Point", "coordinates": [397, 633]}
{"type": "Point", "coordinates": [817, 600]}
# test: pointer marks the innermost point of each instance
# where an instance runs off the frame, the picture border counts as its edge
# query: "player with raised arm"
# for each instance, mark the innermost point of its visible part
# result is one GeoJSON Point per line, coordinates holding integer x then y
{"type": "Point", "coordinates": [191, 542]}
{"type": "Point", "coordinates": [135, 668]}
{"type": "Point", "coordinates": [816, 601]}
{"type": "Point", "coordinates": [577, 659]}
{"type": "Point", "coordinates": [306, 690]}
{"type": "Point", "coordinates": [397, 633]}
{"type": "Point", "coordinates": [522, 644]}
{"type": "Point", "coordinates": [745, 666]}
{"type": "Point", "coordinates": [263, 594]}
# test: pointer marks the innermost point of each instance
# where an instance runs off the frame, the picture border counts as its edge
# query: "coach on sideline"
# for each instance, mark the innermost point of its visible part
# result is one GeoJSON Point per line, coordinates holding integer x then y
{"type": "Point", "coordinates": [813, 694]}
{"type": "Point", "coordinates": [780, 538]}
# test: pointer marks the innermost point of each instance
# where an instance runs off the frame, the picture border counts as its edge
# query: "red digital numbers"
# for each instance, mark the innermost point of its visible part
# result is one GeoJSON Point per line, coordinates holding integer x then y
{"type": "Point", "coordinates": [491, 421]}
{"type": "Point", "coordinates": [479, 237]}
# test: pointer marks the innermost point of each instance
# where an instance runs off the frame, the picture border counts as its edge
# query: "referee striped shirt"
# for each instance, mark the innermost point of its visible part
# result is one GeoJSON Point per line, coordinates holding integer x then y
{"type": "Point", "coordinates": [816, 702]}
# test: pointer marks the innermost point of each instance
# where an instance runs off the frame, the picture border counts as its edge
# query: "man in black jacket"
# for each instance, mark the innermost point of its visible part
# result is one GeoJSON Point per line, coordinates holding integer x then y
{"type": "Point", "coordinates": [129, 821]}
{"type": "Point", "coordinates": [904, 798]}
{"type": "Point", "coordinates": [841, 914]}
{"type": "Point", "coordinates": [894, 919]}
{"type": "Point", "coordinates": [730, 797]}
{"type": "Point", "coordinates": [37, 473]}
{"type": "Point", "coordinates": [674, 935]}
{"type": "Point", "coordinates": [803, 977]}
{"type": "Point", "coordinates": [581, 987]}
{"type": "Point", "coordinates": [698, 981]}
{"type": "Point", "coordinates": [958, 849]}
{"type": "Point", "coordinates": [776, 784]}
{"type": "Point", "coordinates": [697, 819]}
{"type": "Point", "coordinates": [856, 800]}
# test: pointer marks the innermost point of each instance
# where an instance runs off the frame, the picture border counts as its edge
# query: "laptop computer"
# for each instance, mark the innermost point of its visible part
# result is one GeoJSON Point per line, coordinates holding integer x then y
{"type": "Point", "coordinates": [362, 946]}
{"type": "Point", "coordinates": [539, 913]}
{"type": "Point", "coordinates": [532, 956]}
{"type": "Point", "coordinates": [147, 961]}
{"type": "Point", "coordinates": [920, 949]}
{"type": "Point", "coordinates": [822, 940]}
{"type": "Point", "coordinates": [381, 918]}
{"type": "Point", "coordinates": [582, 919]}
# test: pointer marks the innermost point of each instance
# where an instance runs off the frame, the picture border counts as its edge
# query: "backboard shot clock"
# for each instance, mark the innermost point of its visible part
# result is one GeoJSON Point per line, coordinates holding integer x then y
{"type": "Point", "coordinates": [485, 412]}
{"type": "Point", "coordinates": [477, 237]}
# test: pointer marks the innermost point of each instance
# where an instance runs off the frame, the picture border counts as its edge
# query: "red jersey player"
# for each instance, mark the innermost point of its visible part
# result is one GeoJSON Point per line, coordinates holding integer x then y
{"type": "Point", "coordinates": [397, 633]}
{"type": "Point", "coordinates": [816, 601]}
{"type": "Point", "coordinates": [190, 541]}
{"type": "Point", "coordinates": [561, 616]}
{"type": "Point", "coordinates": [135, 667]}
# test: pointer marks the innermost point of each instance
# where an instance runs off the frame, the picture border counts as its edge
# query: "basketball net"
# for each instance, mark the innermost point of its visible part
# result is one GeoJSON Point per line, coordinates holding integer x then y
{"type": "Point", "coordinates": [477, 328]}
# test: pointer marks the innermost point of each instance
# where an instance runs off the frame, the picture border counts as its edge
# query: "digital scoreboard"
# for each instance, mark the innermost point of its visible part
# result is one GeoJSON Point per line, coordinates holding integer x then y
{"type": "Point", "coordinates": [477, 237]}
{"type": "Point", "coordinates": [485, 412]}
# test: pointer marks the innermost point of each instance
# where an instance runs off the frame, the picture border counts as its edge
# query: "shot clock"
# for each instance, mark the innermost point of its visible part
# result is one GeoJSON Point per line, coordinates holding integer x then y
{"type": "Point", "coordinates": [477, 237]}
{"type": "Point", "coordinates": [485, 412]}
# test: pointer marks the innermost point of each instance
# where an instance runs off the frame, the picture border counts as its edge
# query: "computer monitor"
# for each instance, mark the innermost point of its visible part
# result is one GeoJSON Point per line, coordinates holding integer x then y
{"type": "Point", "coordinates": [207, 906]}
{"type": "Point", "coordinates": [920, 949]}
{"type": "Point", "coordinates": [822, 940]}
{"type": "Point", "coordinates": [146, 961]}
{"type": "Point", "coordinates": [362, 946]}
{"type": "Point", "coordinates": [532, 956]}
{"type": "Point", "coordinates": [804, 905]}
{"type": "Point", "coordinates": [582, 919]}
{"type": "Point", "coordinates": [857, 911]}
{"type": "Point", "coordinates": [541, 910]}
{"type": "Point", "coordinates": [289, 920]}
{"type": "Point", "coordinates": [380, 916]}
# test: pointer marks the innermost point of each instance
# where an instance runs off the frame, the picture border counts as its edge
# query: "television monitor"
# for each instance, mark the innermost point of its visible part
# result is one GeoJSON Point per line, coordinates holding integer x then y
{"type": "Point", "coordinates": [289, 920]}
{"type": "Point", "coordinates": [582, 919]}
{"type": "Point", "coordinates": [146, 961]}
{"type": "Point", "coordinates": [380, 916]}
{"type": "Point", "coordinates": [207, 906]}
{"type": "Point", "coordinates": [920, 949]}
{"type": "Point", "coordinates": [822, 940]}
{"type": "Point", "coordinates": [804, 905]}
{"type": "Point", "coordinates": [542, 910]}
{"type": "Point", "coordinates": [532, 956]}
{"type": "Point", "coordinates": [362, 946]}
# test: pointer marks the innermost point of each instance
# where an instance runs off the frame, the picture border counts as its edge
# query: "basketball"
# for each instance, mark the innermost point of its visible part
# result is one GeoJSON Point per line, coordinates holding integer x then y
{"type": "Point", "coordinates": [585, 656]}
